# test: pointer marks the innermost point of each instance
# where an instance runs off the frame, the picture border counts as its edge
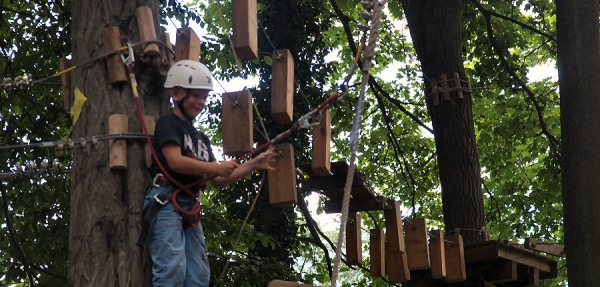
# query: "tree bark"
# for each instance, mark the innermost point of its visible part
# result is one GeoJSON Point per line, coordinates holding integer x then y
{"type": "Point", "coordinates": [578, 70]}
{"type": "Point", "coordinates": [105, 204]}
{"type": "Point", "coordinates": [435, 28]}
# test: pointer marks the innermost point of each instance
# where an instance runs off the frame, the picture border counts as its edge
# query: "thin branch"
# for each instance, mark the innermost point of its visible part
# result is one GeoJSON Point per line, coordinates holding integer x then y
{"type": "Point", "coordinates": [554, 143]}
{"type": "Point", "coordinates": [310, 222]}
{"type": "Point", "coordinates": [526, 26]}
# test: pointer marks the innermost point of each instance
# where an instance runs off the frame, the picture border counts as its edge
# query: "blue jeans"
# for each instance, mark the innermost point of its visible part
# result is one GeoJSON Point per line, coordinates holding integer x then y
{"type": "Point", "coordinates": [178, 255]}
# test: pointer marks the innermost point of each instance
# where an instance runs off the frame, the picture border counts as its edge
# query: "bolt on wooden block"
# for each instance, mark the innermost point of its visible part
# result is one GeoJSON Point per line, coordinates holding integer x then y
{"type": "Point", "coordinates": [282, 180]}
{"type": "Point", "coordinates": [187, 45]}
{"type": "Point", "coordinates": [321, 146]}
{"type": "Point", "coordinates": [353, 239]}
{"type": "Point", "coordinates": [236, 120]}
{"type": "Point", "coordinates": [145, 22]}
{"type": "Point", "coordinates": [282, 87]}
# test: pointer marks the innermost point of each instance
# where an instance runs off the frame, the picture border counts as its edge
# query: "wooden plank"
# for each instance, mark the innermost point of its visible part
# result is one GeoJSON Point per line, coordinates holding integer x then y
{"type": "Point", "coordinates": [353, 239]}
{"type": "Point", "coordinates": [170, 54]}
{"type": "Point", "coordinates": [66, 82]}
{"type": "Point", "coordinates": [321, 146]}
{"type": "Point", "coordinates": [458, 85]}
{"type": "Point", "coordinates": [245, 37]}
{"type": "Point", "coordinates": [237, 123]}
{"type": "Point", "coordinates": [397, 266]}
{"type": "Point", "coordinates": [417, 248]}
{"type": "Point", "coordinates": [150, 125]}
{"type": "Point", "coordinates": [145, 22]}
{"type": "Point", "coordinates": [393, 226]}
{"type": "Point", "coordinates": [187, 45]}
{"type": "Point", "coordinates": [282, 180]}
{"type": "Point", "coordinates": [282, 87]}
{"type": "Point", "coordinates": [455, 259]}
{"type": "Point", "coordinates": [541, 246]}
{"type": "Point", "coordinates": [117, 124]}
{"type": "Point", "coordinates": [357, 204]}
{"type": "Point", "coordinates": [377, 253]}
{"type": "Point", "coordinates": [111, 37]}
{"type": "Point", "coordinates": [281, 283]}
{"type": "Point", "coordinates": [445, 91]}
{"type": "Point", "coordinates": [437, 254]}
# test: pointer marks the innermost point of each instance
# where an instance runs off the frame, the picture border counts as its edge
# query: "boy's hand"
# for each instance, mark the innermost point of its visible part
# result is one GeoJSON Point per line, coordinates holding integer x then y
{"type": "Point", "coordinates": [226, 168]}
{"type": "Point", "coordinates": [263, 160]}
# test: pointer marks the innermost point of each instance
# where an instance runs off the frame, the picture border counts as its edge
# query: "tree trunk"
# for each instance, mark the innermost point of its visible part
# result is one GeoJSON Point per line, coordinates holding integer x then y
{"type": "Point", "coordinates": [435, 28]}
{"type": "Point", "coordinates": [578, 69]}
{"type": "Point", "coordinates": [106, 204]}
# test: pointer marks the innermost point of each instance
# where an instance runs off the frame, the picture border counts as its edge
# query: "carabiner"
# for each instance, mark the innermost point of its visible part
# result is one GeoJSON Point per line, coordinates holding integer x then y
{"type": "Point", "coordinates": [130, 58]}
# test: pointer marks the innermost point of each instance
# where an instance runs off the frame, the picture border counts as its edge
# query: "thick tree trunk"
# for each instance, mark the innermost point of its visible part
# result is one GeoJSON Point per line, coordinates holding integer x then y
{"type": "Point", "coordinates": [579, 71]}
{"type": "Point", "coordinates": [435, 27]}
{"type": "Point", "coordinates": [106, 205]}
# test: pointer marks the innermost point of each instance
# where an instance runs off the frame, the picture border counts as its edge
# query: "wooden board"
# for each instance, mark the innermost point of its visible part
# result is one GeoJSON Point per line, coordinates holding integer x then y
{"type": "Point", "coordinates": [377, 252]}
{"type": "Point", "coordinates": [187, 45]}
{"type": "Point", "coordinates": [455, 259]}
{"type": "Point", "coordinates": [237, 123]}
{"type": "Point", "coordinates": [356, 204]}
{"type": "Point", "coordinates": [417, 247]}
{"type": "Point", "coordinates": [321, 146]}
{"type": "Point", "coordinates": [397, 266]}
{"type": "Point", "coordinates": [245, 38]}
{"type": "Point", "coordinates": [332, 186]}
{"type": "Point", "coordinates": [282, 180]}
{"type": "Point", "coordinates": [117, 124]}
{"type": "Point", "coordinates": [437, 254]}
{"type": "Point", "coordinates": [393, 226]}
{"type": "Point", "coordinates": [353, 239]}
{"type": "Point", "coordinates": [147, 30]}
{"type": "Point", "coordinates": [111, 37]}
{"type": "Point", "coordinates": [492, 250]}
{"type": "Point", "coordinates": [282, 87]}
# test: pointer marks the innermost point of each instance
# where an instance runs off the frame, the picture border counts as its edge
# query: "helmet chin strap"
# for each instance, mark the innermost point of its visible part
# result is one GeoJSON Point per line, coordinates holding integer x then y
{"type": "Point", "coordinates": [180, 105]}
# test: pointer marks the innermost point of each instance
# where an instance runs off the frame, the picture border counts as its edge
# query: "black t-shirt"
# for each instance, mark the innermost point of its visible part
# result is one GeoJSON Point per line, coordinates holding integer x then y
{"type": "Point", "coordinates": [193, 144]}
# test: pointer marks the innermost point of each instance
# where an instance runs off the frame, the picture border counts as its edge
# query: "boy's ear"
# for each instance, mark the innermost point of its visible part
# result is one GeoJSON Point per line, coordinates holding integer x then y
{"type": "Point", "coordinates": [175, 93]}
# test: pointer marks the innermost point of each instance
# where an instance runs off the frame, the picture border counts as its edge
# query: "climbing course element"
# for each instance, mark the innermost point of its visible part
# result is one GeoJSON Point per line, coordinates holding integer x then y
{"type": "Point", "coordinates": [245, 29]}
{"type": "Point", "coordinates": [236, 121]}
{"type": "Point", "coordinates": [282, 87]}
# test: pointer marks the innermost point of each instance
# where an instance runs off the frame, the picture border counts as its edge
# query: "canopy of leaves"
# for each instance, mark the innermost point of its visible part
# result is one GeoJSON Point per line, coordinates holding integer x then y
{"type": "Point", "coordinates": [516, 122]}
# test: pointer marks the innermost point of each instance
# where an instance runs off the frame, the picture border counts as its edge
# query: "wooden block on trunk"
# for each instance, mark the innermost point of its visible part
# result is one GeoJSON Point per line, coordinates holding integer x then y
{"type": "Point", "coordinates": [321, 158]}
{"type": "Point", "coordinates": [282, 87]}
{"type": "Point", "coordinates": [393, 226]}
{"type": "Point", "coordinates": [377, 253]}
{"type": "Point", "coordinates": [170, 52]}
{"type": "Point", "coordinates": [455, 259]}
{"type": "Point", "coordinates": [187, 45]}
{"type": "Point", "coordinates": [245, 38]}
{"type": "Point", "coordinates": [417, 248]}
{"type": "Point", "coordinates": [437, 254]}
{"type": "Point", "coordinates": [111, 36]}
{"type": "Point", "coordinates": [282, 180]}
{"type": "Point", "coordinates": [147, 30]}
{"type": "Point", "coordinates": [150, 125]}
{"type": "Point", "coordinates": [353, 239]}
{"type": "Point", "coordinates": [117, 124]}
{"type": "Point", "coordinates": [236, 119]}
{"type": "Point", "coordinates": [66, 82]}
{"type": "Point", "coordinates": [396, 266]}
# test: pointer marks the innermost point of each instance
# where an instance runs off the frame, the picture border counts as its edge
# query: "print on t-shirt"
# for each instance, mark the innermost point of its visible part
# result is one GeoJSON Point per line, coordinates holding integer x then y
{"type": "Point", "coordinates": [191, 151]}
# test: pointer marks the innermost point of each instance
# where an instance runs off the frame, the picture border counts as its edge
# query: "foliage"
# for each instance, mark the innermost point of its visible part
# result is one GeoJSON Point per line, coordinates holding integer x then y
{"type": "Point", "coordinates": [516, 121]}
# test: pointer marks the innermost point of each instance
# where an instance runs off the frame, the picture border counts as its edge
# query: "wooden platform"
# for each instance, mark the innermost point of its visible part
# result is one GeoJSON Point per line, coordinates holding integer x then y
{"type": "Point", "coordinates": [332, 186]}
{"type": "Point", "coordinates": [494, 263]}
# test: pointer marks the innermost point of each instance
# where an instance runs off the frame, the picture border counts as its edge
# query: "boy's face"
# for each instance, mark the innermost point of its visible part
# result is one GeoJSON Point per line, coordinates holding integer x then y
{"type": "Point", "coordinates": [195, 101]}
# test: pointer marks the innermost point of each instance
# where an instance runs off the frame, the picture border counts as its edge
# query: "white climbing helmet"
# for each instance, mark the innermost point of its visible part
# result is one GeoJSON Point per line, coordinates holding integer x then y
{"type": "Point", "coordinates": [189, 74]}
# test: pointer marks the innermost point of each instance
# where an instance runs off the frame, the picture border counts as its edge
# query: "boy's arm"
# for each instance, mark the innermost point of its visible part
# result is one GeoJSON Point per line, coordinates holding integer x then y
{"type": "Point", "coordinates": [262, 161]}
{"type": "Point", "coordinates": [185, 165]}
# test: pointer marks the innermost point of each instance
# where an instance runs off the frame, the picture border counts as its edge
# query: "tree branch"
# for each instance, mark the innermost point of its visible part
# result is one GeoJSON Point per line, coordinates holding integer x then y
{"type": "Point", "coordinates": [554, 143]}
{"type": "Point", "coordinates": [310, 223]}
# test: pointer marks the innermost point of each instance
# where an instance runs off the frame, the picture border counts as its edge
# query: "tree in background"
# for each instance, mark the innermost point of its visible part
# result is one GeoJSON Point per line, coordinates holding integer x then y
{"type": "Point", "coordinates": [578, 63]}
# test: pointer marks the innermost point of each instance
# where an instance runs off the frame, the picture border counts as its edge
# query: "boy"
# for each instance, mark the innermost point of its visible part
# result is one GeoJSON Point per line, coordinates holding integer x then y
{"type": "Point", "coordinates": [178, 251]}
